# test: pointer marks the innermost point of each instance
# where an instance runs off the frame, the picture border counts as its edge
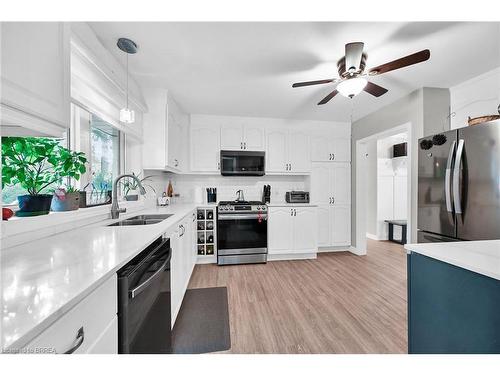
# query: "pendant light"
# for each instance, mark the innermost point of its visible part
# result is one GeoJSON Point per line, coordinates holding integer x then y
{"type": "Point", "coordinates": [128, 46]}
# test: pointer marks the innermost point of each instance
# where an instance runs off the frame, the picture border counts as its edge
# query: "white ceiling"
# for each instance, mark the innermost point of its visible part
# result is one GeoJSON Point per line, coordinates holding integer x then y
{"type": "Point", "coordinates": [246, 69]}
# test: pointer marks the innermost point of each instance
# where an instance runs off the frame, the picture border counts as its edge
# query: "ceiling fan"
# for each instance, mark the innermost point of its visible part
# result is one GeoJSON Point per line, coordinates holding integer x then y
{"type": "Point", "coordinates": [352, 77]}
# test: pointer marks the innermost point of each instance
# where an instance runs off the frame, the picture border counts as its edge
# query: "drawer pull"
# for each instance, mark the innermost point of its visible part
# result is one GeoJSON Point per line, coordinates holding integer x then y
{"type": "Point", "coordinates": [80, 336]}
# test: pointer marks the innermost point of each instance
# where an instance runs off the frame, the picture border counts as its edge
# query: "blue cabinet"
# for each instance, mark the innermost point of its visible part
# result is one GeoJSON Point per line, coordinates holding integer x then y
{"type": "Point", "coordinates": [450, 309]}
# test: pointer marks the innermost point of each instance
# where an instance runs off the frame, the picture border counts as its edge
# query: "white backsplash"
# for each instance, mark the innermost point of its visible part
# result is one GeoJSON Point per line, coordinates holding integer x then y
{"type": "Point", "coordinates": [252, 187]}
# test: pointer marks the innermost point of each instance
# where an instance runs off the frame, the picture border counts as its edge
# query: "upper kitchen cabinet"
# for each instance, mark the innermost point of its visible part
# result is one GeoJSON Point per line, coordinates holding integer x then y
{"type": "Point", "coordinates": [242, 137]}
{"type": "Point", "coordinates": [331, 183]}
{"type": "Point", "coordinates": [165, 133]}
{"type": "Point", "coordinates": [35, 71]}
{"type": "Point", "coordinates": [205, 146]}
{"type": "Point", "coordinates": [330, 148]}
{"type": "Point", "coordinates": [287, 152]}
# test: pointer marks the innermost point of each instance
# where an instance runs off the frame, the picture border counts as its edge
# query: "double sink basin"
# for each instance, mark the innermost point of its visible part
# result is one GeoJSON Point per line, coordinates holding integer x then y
{"type": "Point", "coordinates": [141, 220]}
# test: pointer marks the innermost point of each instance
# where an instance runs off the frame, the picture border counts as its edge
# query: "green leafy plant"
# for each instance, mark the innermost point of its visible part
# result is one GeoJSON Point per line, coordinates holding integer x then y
{"type": "Point", "coordinates": [130, 184]}
{"type": "Point", "coordinates": [39, 163]}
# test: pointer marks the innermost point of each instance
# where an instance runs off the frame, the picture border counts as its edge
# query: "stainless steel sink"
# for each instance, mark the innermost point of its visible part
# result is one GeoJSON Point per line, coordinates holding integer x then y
{"type": "Point", "coordinates": [141, 220]}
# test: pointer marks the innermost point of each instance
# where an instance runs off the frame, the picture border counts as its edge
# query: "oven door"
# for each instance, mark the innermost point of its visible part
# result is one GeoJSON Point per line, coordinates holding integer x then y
{"type": "Point", "coordinates": [241, 233]}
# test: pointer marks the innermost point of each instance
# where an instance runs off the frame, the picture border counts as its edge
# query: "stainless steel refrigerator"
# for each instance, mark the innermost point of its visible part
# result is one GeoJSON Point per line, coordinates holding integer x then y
{"type": "Point", "coordinates": [459, 184]}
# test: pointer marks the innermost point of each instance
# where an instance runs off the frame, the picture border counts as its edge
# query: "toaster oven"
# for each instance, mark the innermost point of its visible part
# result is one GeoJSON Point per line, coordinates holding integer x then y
{"type": "Point", "coordinates": [297, 196]}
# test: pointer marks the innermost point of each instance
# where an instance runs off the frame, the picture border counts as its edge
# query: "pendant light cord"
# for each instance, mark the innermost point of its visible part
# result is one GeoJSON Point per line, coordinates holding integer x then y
{"type": "Point", "coordinates": [127, 81]}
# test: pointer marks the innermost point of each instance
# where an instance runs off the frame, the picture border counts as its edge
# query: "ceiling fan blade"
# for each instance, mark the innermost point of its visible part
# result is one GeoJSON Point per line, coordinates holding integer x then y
{"type": "Point", "coordinates": [310, 83]}
{"type": "Point", "coordinates": [327, 98]}
{"type": "Point", "coordinates": [353, 55]}
{"type": "Point", "coordinates": [415, 58]}
{"type": "Point", "coordinates": [374, 89]}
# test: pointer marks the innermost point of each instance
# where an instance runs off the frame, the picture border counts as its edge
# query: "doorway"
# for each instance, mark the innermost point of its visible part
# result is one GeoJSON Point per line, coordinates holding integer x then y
{"type": "Point", "coordinates": [383, 186]}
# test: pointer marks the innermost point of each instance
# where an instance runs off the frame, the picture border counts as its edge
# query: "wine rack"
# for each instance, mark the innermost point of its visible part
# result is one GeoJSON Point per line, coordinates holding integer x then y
{"type": "Point", "coordinates": [206, 227]}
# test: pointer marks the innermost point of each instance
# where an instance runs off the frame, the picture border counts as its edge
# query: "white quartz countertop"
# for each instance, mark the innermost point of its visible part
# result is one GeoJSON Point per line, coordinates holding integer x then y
{"type": "Point", "coordinates": [286, 204]}
{"type": "Point", "coordinates": [482, 257]}
{"type": "Point", "coordinates": [44, 279]}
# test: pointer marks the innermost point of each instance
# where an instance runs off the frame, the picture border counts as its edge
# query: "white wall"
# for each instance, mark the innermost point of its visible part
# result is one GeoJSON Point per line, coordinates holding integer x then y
{"type": "Point", "coordinates": [479, 96]}
{"type": "Point", "coordinates": [422, 119]}
{"type": "Point", "coordinates": [371, 187]}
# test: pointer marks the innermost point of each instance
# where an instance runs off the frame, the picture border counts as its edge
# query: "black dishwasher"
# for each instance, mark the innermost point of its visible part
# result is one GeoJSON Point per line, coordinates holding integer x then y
{"type": "Point", "coordinates": [144, 301]}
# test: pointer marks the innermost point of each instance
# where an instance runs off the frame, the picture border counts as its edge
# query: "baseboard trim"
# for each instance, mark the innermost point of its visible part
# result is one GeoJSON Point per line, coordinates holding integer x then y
{"type": "Point", "coordinates": [299, 256]}
{"type": "Point", "coordinates": [372, 236]}
{"type": "Point", "coordinates": [206, 259]}
{"type": "Point", "coordinates": [355, 251]}
{"type": "Point", "coordinates": [333, 249]}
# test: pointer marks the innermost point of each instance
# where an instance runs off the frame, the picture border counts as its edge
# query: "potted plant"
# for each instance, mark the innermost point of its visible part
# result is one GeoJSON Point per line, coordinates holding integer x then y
{"type": "Point", "coordinates": [37, 164]}
{"type": "Point", "coordinates": [130, 185]}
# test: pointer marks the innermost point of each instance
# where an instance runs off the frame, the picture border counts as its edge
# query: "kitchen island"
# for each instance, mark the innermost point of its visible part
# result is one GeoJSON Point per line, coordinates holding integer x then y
{"type": "Point", "coordinates": [454, 297]}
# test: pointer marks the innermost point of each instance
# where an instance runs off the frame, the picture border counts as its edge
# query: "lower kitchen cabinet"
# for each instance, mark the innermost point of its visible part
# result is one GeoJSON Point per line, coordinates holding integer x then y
{"type": "Point", "coordinates": [451, 310]}
{"type": "Point", "coordinates": [182, 262]}
{"type": "Point", "coordinates": [334, 225]}
{"type": "Point", "coordinates": [292, 230]}
{"type": "Point", "coordinates": [89, 327]}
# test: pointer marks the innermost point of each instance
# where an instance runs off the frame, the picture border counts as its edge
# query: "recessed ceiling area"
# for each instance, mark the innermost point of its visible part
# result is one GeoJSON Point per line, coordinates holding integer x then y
{"type": "Point", "coordinates": [247, 69]}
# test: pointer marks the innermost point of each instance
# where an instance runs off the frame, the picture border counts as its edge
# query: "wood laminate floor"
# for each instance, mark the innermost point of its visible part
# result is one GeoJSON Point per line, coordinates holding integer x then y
{"type": "Point", "coordinates": [338, 303]}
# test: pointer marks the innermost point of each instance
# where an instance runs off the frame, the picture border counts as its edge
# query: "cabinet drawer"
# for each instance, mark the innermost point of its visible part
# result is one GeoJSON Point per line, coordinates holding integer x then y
{"type": "Point", "coordinates": [107, 343]}
{"type": "Point", "coordinates": [94, 314]}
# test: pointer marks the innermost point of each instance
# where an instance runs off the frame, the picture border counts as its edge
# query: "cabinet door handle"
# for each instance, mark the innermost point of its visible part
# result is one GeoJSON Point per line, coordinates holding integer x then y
{"type": "Point", "coordinates": [333, 200]}
{"type": "Point", "coordinates": [330, 157]}
{"type": "Point", "coordinates": [333, 156]}
{"type": "Point", "coordinates": [80, 336]}
{"type": "Point", "coordinates": [294, 212]}
{"type": "Point", "coordinates": [241, 145]}
{"type": "Point", "coordinates": [330, 200]}
{"type": "Point", "coordinates": [218, 166]}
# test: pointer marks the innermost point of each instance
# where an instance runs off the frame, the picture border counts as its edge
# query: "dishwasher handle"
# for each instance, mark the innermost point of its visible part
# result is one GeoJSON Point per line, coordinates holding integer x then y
{"type": "Point", "coordinates": [141, 287]}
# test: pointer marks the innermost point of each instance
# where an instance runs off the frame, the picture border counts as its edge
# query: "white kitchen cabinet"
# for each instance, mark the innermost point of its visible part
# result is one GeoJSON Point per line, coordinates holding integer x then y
{"type": "Point", "coordinates": [107, 342]}
{"type": "Point", "coordinates": [163, 133]}
{"type": "Point", "coordinates": [35, 76]}
{"type": "Point", "coordinates": [334, 225]}
{"type": "Point", "coordinates": [324, 226]}
{"type": "Point", "coordinates": [329, 147]}
{"type": "Point", "coordinates": [341, 225]}
{"type": "Point", "coordinates": [331, 190]}
{"type": "Point", "coordinates": [277, 151]}
{"type": "Point", "coordinates": [254, 138]}
{"type": "Point", "coordinates": [94, 316]}
{"type": "Point", "coordinates": [287, 152]}
{"type": "Point", "coordinates": [205, 148]}
{"type": "Point", "coordinates": [182, 262]}
{"type": "Point", "coordinates": [279, 230]}
{"type": "Point", "coordinates": [292, 230]}
{"type": "Point", "coordinates": [331, 183]}
{"type": "Point", "coordinates": [242, 137]}
{"type": "Point", "coordinates": [231, 137]}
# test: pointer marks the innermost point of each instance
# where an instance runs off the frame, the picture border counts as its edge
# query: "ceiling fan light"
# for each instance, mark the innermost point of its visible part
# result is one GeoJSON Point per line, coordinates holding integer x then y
{"type": "Point", "coordinates": [352, 86]}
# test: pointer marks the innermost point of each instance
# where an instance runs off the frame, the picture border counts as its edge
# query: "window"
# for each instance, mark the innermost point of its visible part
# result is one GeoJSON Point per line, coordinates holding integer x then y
{"type": "Point", "coordinates": [103, 145]}
{"type": "Point", "coordinates": [104, 153]}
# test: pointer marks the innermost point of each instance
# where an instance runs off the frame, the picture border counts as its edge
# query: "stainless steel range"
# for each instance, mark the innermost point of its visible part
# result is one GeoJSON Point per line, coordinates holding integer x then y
{"type": "Point", "coordinates": [242, 232]}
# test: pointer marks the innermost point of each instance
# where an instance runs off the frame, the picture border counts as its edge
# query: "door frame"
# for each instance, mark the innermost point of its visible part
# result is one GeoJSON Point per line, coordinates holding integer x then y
{"type": "Point", "coordinates": [361, 184]}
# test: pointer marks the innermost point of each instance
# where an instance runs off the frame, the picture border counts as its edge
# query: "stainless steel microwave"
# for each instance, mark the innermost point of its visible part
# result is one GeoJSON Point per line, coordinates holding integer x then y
{"type": "Point", "coordinates": [242, 163]}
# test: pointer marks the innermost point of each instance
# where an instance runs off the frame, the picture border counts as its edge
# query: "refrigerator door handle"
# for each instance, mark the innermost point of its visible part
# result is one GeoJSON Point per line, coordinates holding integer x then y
{"type": "Point", "coordinates": [447, 178]}
{"type": "Point", "coordinates": [456, 177]}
